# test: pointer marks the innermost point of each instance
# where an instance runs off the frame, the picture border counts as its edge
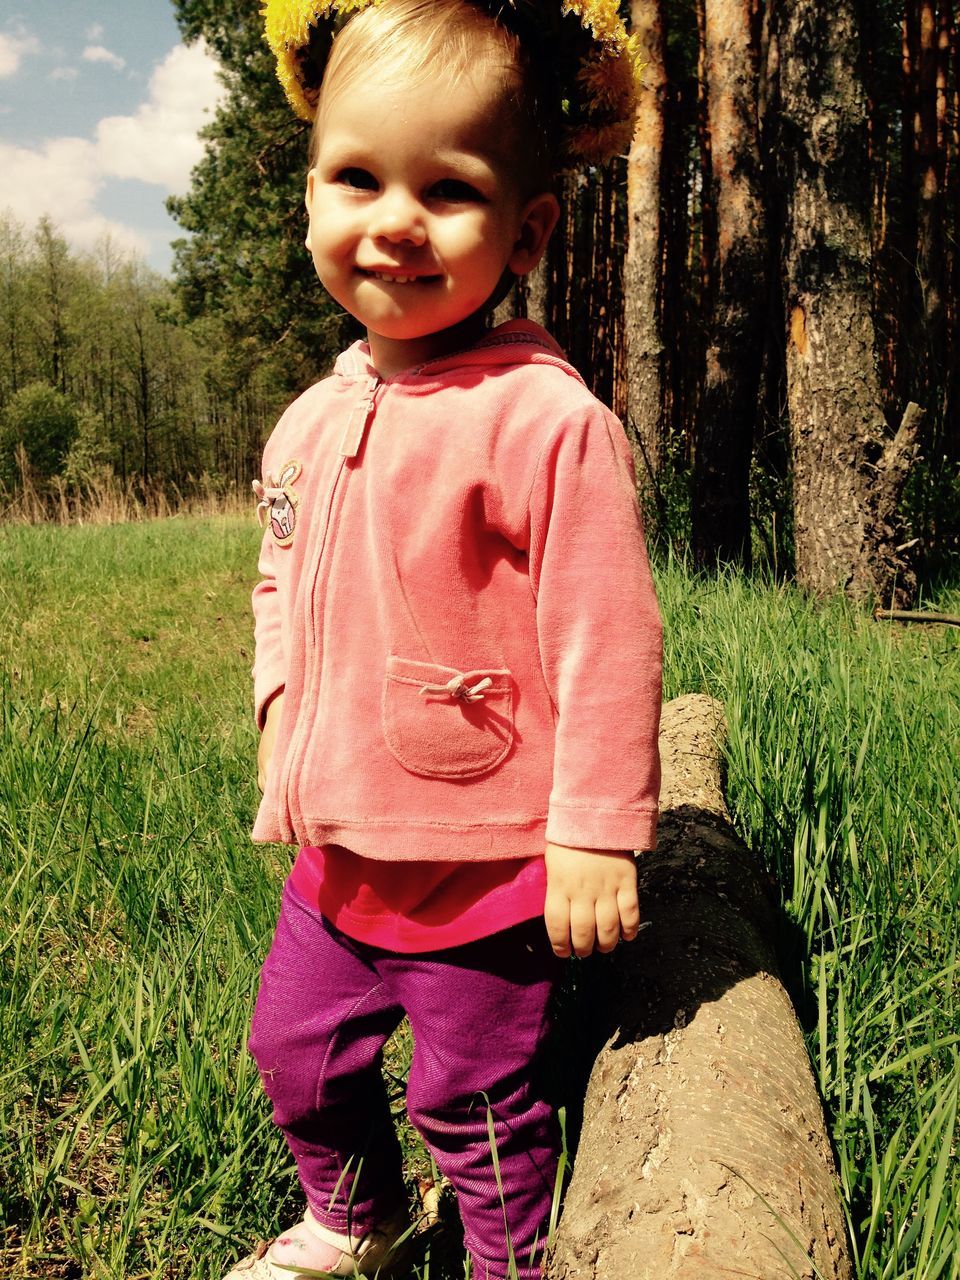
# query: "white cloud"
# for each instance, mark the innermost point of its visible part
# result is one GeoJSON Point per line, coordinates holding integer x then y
{"type": "Point", "coordinates": [159, 144]}
{"type": "Point", "coordinates": [95, 32]}
{"type": "Point", "coordinates": [97, 53]}
{"type": "Point", "coordinates": [64, 177]}
{"type": "Point", "coordinates": [12, 50]}
{"type": "Point", "coordinates": [64, 73]}
{"type": "Point", "coordinates": [61, 180]}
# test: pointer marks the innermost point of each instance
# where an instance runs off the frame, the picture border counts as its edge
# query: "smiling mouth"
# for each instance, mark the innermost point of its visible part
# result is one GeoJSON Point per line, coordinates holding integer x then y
{"type": "Point", "coordinates": [391, 277]}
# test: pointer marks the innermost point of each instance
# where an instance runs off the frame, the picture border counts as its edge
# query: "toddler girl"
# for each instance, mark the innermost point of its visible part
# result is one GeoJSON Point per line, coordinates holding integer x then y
{"type": "Point", "coordinates": [457, 641]}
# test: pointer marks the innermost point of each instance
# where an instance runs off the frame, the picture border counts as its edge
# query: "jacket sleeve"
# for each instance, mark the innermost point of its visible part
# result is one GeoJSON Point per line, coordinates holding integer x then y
{"type": "Point", "coordinates": [600, 636]}
{"type": "Point", "coordinates": [269, 664]}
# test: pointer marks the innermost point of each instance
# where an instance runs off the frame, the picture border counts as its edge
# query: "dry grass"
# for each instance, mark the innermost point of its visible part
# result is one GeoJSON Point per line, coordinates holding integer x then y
{"type": "Point", "coordinates": [105, 499]}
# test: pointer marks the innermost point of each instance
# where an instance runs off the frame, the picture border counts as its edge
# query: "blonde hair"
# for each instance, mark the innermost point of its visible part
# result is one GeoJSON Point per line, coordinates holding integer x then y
{"type": "Point", "coordinates": [406, 41]}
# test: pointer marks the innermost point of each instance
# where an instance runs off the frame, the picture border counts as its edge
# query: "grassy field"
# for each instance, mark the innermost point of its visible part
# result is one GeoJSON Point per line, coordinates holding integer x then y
{"type": "Point", "coordinates": [135, 912]}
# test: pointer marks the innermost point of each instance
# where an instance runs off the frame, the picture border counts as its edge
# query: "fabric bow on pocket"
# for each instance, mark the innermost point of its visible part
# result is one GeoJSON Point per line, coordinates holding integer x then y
{"type": "Point", "coordinates": [443, 723]}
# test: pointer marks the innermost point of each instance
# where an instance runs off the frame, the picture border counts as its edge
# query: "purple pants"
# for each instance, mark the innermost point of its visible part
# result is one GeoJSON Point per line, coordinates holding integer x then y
{"type": "Point", "coordinates": [479, 1017]}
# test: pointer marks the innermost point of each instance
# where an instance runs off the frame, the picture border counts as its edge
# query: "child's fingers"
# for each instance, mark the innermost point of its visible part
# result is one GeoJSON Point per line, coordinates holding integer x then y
{"type": "Point", "coordinates": [583, 926]}
{"type": "Point", "coordinates": [556, 916]}
{"type": "Point", "coordinates": [608, 924]}
{"type": "Point", "coordinates": [629, 908]}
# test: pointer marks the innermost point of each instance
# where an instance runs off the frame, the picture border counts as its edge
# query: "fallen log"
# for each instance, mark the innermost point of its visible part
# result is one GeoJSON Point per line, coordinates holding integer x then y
{"type": "Point", "coordinates": [703, 1151]}
{"type": "Point", "coordinates": [911, 615]}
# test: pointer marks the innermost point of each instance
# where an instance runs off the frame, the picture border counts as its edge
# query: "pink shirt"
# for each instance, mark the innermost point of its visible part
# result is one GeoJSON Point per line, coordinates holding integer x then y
{"type": "Point", "coordinates": [425, 907]}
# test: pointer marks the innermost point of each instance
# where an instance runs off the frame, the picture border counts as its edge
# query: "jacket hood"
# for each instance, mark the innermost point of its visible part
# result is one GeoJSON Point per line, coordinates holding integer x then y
{"type": "Point", "coordinates": [514, 342]}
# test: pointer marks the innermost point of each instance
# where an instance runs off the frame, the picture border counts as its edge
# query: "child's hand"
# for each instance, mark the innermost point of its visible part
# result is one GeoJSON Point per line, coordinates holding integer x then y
{"type": "Point", "coordinates": [267, 738]}
{"type": "Point", "coordinates": [591, 899]}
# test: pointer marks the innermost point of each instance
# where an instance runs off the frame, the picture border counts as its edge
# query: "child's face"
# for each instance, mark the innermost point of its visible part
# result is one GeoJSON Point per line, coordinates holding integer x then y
{"type": "Point", "coordinates": [416, 213]}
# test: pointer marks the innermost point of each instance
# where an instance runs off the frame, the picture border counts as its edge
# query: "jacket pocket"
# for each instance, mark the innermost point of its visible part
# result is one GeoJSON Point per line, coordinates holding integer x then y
{"type": "Point", "coordinates": [443, 723]}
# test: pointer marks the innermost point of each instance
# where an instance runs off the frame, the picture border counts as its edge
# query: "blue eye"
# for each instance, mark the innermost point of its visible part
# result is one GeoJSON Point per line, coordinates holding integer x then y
{"type": "Point", "coordinates": [454, 191]}
{"type": "Point", "coordinates": [359, 179]}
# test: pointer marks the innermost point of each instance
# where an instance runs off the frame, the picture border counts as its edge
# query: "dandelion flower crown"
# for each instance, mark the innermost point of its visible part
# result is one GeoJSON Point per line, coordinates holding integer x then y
{"type": "Point", "coordinates": [597, 67]}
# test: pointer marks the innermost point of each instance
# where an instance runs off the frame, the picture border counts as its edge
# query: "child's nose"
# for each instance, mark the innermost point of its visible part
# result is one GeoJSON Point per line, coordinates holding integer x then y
{"type": "Point", "coordinates": [398, 217]}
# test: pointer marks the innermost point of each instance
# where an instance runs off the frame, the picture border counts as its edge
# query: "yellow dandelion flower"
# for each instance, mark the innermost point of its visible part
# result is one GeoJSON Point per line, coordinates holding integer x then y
{"type": "Point", "coordinates": [601, 17]}
{"type": "Point", "coordinates": [287, 26]}
{"type": "Point", "coordinates": [603, 93]}
{"type": "Point", "coordinates": [595, 144]}
{"type": "Point", "coordinates": [637, 63]}
{"type": "Point", "coordinates": [609, 82]}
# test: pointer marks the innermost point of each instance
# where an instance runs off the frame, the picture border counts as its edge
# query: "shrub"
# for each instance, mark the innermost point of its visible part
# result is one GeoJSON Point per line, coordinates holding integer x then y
{"type": "Point", "coordinates": [45, 423]}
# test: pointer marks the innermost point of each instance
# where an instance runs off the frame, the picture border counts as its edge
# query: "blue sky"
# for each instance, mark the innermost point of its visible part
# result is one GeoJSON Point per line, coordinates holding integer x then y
{"type": "Point", "coordinates": [100, 103]}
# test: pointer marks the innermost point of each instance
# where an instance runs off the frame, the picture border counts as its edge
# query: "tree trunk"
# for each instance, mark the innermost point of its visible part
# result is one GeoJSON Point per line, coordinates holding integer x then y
{"type": "Point", "coordinates": [954, 191]}
{"type": "Point", "coordinates": [738, 297]}
{"type": "Point", "coordinates": [601, 322]}
{"type": "Point", "coordinates": [535, 291]}
{"type": "Point", "coordinates": [703, 1152]}
{"type": "Point", "coordinates": [54, 258]}
{"type": "Point", "coordinates": [905, 233]}
{"type": "Point", "coordinates": [948, 133]}
{"type": "Point", "coordinates": [644, 342]}
{"type": "Point", "coordinates": [848, 474]}
{"type": "Point", "coordinates": [885, 267]}
{"type": "Point", "coordinates": [13, 298]}
{"type": "Point", "coordinates": [930, 239]}
{"type": "Point", "coordinates": [708, 204]}
{"type": "Point", "coordinates": [678, 332]}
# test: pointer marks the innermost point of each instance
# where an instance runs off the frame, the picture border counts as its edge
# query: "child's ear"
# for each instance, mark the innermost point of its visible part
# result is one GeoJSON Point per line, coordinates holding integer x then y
{"type": "Point", "coordinates": [539, 218]}
{"type": "Point", "coordinates": [308, 201]}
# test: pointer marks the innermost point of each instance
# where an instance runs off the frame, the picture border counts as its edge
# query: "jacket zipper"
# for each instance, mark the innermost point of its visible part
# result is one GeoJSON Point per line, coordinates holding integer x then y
{"type": "Point", "coordinates": [350, 443]}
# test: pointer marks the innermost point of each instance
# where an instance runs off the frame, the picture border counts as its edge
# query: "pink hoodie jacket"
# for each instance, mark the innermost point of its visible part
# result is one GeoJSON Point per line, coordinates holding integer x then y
{"type": "Point", "coordinates": [456, 599]}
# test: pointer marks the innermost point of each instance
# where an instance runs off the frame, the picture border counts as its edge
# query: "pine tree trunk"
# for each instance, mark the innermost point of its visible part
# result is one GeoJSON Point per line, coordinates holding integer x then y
{"type": "Point", "coordinates": [738, 297]}
{"type": "Point", "coordinates": [930, 246]}
{"type": "Point", "coordinates": [619, 231]}
{"type": "Point", "coordinates": [848, 473]}
{"type": "Point", "coordinates": [535, 293]}
{"type": "Point", "coordinates": [878, 167]}
{"type": "Point", "coordinates": [948, 130]}
{"type": "Point", "coordinates": [703, 1151]}
{"type": "Point", "coordinates": [675, 329]}
{"type": "Point", "coordinates": [905, 231]}
{"type": "Point", "coordinates": [644, 342]}
{"type": "Point", "coordinates": [708, 204]}
{"type": "Point", "coordinates": [953, 196]}
{"type": "Point", "coordinates": [601, 322]}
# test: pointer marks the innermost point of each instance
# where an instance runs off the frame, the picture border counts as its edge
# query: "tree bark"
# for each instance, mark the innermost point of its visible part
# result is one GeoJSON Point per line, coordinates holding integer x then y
{"type": "Point", "coordinates": [948, 135]}
{"type": "Point", "coordinates": [848, 529]}
{"type": "Point", "coordinates": [708, 205]}
{"type": "Point", "coordinates": [703, 1152]}
{"type": "Point", "coordinates": [644, 342]}
{"type": "Point", "coordinates": [930, 237]}
{"type": "Point", "coordinates": [885, 266]}
{"type": "Point", "coordinates": [603, 300]}
{"type": "Point", "coordinates": [738, 297]}
{"type": "Point", "coordinates": [903, 231]}
{"type": "Point", "coordinates": [678, 318]}
{"type": "Point", "coordinates": [535, 290]}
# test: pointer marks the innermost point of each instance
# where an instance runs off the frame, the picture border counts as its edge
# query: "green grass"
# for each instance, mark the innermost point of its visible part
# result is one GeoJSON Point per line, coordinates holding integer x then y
{"type": "Point", "coordinates": [843, 772]}
{"type": "Point", "coordinates": [135, 911]}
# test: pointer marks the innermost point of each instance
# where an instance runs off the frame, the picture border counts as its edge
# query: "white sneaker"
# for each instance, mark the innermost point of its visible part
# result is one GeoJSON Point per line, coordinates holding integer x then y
{"type": "Point", "coordinates": [311, 1251]}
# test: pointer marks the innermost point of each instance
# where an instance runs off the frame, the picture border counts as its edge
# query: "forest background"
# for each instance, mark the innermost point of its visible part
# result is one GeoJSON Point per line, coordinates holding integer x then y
{"type": "Point", "coordinates": [781, 247]}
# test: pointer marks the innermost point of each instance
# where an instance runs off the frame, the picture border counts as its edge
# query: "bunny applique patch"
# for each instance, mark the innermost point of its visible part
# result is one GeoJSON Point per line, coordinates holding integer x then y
{"type": "Point", "coordinates": [278, 502]}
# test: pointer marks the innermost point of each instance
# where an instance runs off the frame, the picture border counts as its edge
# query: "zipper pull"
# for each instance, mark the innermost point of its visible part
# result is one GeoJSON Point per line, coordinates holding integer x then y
{"type": "Point", "coordinates": [360, 415]}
